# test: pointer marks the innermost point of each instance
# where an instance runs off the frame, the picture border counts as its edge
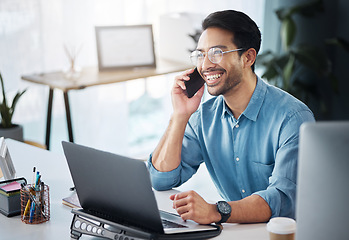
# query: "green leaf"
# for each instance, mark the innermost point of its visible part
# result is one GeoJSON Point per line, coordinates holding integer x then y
{"type": "Point", "coordinates": [308, 9]}
{"type": "Point", "coordinates": [283, 13]}
{"type": "Point", "coordinates": [5, 116]}
{"type": "Point", "coordinates": [340, 42]}
{"type": "Point", "coordinates": [274, 69]}
{"type": "Point", "coordinates": [270, 73]}
{"type": "Point", "coordinates": [264, 57]}
{"type": "Point", "coordinates": [288, 32]}
{"type": "Point", "coordinates": [6, 111]}
{"type": "Point", "coordinates": [16, 98]}
{"type": "Point", "coordinates": [3, 91]}
{"type": "Point", "coordinates": [314, 58]}
{"type": "Point", "coordinates": [288, 71]}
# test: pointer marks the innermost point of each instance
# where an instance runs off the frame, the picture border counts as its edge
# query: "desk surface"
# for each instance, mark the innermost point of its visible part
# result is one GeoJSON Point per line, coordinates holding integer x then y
{"type": "Point", "coordinates": [55, 173]}
{"type": "Point", "coordinates": [91, 76]}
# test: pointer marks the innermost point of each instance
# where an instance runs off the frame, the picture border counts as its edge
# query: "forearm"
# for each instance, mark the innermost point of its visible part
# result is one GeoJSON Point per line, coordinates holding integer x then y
{"type": "Point", "coordinates": [167, 155]}
{"type": "Point", "coordinates": [251, 209]}
{"type": "Point", "coordinates": [190, 205]}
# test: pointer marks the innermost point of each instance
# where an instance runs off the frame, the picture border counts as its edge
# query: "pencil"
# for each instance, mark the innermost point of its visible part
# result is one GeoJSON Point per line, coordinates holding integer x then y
{"type": "Point", "coordinates": [27, 207]}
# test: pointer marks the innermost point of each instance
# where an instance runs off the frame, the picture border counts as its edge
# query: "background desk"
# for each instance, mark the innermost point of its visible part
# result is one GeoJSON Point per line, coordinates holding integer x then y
{"type": "Point", "coordinates": [92, 77]}
{"type": "Point", "coordinates": [55, 173]}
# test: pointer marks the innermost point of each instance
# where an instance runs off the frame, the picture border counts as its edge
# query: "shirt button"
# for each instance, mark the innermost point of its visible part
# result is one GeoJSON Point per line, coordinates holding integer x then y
{"type": "Point", "coordinates": [237, 159]}
{"type": "Point", "coordinates": [243, 190]}
{"type": "Point", "coordinates": [237, 125]}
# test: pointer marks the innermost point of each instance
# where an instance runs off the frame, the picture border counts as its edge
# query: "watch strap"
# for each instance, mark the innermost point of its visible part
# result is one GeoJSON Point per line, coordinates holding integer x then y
{"type": "Point", "coordinates": [223, 219]}
{"type": "Point", "coordinates": [224, 216]}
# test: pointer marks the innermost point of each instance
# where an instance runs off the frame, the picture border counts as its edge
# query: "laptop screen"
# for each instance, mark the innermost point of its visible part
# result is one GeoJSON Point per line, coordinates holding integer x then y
{"type": "Point", "coordinates": [115, 185]}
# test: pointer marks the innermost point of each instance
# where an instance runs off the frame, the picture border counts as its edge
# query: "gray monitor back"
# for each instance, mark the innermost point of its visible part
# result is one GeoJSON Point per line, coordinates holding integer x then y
{"type": "Point", "coordinates": [323, 181]}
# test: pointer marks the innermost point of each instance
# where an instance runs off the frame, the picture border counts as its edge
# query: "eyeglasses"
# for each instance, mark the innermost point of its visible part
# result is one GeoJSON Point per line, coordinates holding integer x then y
{"type": "Point", "coordinates": [215, 55]}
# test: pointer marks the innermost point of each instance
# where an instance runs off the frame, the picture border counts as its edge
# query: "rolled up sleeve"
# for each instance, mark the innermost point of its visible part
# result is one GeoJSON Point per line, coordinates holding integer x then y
{"type": "Point", "coordinates": [162, 181]}
{"type": "Point", "coordinates": [281, 192]}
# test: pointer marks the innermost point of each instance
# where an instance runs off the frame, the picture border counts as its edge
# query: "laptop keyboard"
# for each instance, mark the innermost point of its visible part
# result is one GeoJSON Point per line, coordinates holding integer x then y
{"type": "Point", "coordinates": [168, 224]}
{"type": "Point", "coordinates": [165, 223]}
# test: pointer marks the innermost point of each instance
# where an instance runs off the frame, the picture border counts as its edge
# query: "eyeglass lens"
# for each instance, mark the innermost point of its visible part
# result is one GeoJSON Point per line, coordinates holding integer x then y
{"type": "Point", "coordinates": [215, 55]}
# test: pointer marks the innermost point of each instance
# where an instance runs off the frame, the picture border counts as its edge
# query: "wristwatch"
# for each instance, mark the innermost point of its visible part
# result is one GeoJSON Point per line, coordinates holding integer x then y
{"type": "Point", "coordinates": [224, 210]}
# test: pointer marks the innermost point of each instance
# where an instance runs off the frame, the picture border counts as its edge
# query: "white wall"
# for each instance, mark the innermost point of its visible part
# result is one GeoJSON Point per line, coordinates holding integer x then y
{"type": "Point", "coordinates": [32, 35]}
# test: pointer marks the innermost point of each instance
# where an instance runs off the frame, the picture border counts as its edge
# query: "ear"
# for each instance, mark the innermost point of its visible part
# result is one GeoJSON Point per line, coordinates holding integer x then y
{"type": "Point", "coordinates": [249, 57]}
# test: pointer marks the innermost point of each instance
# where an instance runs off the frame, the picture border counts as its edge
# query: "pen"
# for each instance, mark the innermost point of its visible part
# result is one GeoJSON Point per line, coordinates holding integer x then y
{"type": "Point", "coordinates": [31, 214]}
{"type": "Point", "coordinates": [37, 179]}
{"type": "Point", "coordinates": [32, 198]}
{"type": "Point", "coordinates": [32, 209]}
{"type": "Point", "coordinates": [37, 184]}
{"type": "Point", "coordinates": [30, 190]}
{"type": "Point", "coordinates": [27, 207]}
{"type": "Point", "coordinates": [33, 180]}
{"type": "Point", "coordinates": [42, 188]}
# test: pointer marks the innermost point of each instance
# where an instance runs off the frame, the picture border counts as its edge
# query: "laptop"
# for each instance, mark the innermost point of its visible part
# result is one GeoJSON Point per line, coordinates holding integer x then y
{"type": "Point", "coordinates": [119, 189]}
{"type": "Point", "coordinates": [322, 210]}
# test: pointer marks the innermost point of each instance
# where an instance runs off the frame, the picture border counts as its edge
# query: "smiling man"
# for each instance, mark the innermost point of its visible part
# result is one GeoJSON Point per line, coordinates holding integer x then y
{"type": "Point", "coordinates": [247, 134]}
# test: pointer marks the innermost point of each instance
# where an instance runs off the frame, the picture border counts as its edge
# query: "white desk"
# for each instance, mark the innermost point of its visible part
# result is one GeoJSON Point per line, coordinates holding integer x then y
{"type": "Point", "coordinates": [56, 174]}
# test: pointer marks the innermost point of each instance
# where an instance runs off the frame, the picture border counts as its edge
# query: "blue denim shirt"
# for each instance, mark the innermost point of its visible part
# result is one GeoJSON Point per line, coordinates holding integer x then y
{"type": "Point", "coordinates": [254, 154]}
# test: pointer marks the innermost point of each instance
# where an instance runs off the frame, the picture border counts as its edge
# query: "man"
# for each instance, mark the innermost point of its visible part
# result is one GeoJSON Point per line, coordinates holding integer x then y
{"type": "Point", "coordinates": [247, 135]}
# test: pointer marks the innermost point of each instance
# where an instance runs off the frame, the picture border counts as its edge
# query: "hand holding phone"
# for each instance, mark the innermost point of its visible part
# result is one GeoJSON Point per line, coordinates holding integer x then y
{"type": "Point", "coordinates": [194, 84]}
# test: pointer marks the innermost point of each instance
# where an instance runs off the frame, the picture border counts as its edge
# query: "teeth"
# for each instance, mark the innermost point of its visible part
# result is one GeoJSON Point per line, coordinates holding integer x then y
{"type": "Point", "coordinates": [213, 77]}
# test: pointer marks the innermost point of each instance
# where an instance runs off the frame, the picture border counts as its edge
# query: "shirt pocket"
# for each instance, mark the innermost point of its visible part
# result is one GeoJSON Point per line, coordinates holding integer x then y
{"type": "Point", "coordinates": [263, 172]}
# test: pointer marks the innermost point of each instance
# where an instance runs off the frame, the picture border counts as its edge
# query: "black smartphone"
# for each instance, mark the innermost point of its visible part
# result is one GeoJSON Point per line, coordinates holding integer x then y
{"type": "Point", "coordinates": [194, 84]}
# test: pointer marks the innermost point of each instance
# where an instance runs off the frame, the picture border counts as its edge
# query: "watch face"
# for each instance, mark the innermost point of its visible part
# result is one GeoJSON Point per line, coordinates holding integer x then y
{"type": "Point", "coordinates": [224, 207]}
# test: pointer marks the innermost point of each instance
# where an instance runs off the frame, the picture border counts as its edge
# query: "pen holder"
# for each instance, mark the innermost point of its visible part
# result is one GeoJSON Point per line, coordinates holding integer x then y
{"type": "Point", "coordinates": [35, 205]}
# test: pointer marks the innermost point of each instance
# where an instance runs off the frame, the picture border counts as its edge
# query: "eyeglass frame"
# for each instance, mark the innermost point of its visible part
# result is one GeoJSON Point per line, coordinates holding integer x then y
{"type": "Point", "coordinates": [222, 53]}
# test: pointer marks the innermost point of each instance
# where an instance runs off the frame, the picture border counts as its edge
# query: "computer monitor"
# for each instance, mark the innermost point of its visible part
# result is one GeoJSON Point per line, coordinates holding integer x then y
{"type": "Point", "coordinates": [322, 210]}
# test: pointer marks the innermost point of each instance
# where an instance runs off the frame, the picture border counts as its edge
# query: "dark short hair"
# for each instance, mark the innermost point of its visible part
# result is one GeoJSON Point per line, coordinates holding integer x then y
{"type": "Point", "coordinates": [245, 30]}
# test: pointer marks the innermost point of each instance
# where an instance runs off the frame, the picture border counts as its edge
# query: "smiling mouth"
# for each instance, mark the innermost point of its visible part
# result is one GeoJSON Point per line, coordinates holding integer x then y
{"type": "Point", "coordinates": [213, 79]}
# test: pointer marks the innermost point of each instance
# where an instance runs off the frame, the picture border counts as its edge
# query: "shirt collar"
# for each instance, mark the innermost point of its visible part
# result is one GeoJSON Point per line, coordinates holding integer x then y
{"type": "Point", "coordinates": [255, 104]}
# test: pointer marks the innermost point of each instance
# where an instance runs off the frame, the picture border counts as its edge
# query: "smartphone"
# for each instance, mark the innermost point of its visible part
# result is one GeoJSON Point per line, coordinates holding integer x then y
{"type": "Point", "coordinates": [194, 84]}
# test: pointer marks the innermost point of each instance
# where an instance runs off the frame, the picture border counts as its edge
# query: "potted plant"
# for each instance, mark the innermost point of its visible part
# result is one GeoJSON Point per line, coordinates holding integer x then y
{"type": "Point", "coordinates": [7, 128]}
{"type": "Point", "coordinates": [304, 69]}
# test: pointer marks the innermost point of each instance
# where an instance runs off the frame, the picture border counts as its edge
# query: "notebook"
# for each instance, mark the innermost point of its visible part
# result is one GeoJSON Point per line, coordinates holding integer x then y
{"type": "Point", "coordinates": [119, 188]}
{"type": "Point", "coordinates": [322, 211]}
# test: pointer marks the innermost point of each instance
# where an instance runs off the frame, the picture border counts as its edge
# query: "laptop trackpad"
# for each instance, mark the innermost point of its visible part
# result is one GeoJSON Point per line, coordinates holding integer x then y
{"type": "Point", "coordinates": [177, 225]}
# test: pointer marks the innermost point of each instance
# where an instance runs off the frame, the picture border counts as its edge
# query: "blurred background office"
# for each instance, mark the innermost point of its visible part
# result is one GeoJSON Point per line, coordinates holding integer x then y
{"type": "Point", "coordinates": [129, 118]}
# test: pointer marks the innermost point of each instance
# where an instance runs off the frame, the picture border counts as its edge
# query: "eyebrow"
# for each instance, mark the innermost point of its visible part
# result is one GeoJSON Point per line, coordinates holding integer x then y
{"type": "Point", "coordinates": [216, 46]}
